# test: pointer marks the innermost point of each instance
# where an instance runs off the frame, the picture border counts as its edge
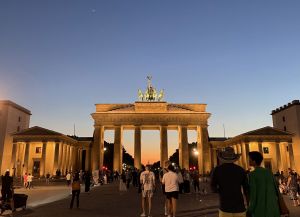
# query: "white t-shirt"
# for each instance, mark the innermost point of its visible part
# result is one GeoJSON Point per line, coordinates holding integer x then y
{"type": "Point", "coordinates": [171, 181]}
{"type": "Point", "coordinates": [29, 178]}
{"type": "Point", "coordinates": [147, 180]}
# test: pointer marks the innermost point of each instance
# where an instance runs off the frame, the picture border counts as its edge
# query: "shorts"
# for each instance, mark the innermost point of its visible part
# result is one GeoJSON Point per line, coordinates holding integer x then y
{"type": "Point", "coordinates": [147, 193]}
{"type": "Point", "coordinates": [172, 194]}
{"type": "Point", "coordinates": [228, 214]}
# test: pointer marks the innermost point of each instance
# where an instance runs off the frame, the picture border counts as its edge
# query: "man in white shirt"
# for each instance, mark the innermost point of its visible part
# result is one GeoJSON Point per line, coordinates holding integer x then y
{"type": "Point", "coordinates": [147, 180]}
{"type": "Point", "coordinates": [171, 182]}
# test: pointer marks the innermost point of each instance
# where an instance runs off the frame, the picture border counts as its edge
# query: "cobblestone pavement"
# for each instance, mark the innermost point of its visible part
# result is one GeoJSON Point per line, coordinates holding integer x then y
{"type": "Point", "coordinates": [107, 201]}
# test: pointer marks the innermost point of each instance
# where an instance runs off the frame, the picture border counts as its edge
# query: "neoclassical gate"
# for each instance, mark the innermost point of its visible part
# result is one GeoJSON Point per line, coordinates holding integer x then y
{"type": "Point", "coordinates": [151, 112]}
{"type": "Point", "coordinates": [155, 116]}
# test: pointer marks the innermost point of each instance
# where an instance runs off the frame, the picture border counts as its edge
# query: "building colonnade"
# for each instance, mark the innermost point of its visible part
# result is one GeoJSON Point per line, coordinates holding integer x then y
{"type": "Point", "coordinates": [98, 146]}
{"type": "Point", "coordinates": [40, 158]}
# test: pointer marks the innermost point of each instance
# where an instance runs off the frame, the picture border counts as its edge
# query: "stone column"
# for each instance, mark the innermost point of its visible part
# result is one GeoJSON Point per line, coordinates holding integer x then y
{"type": "Point", "coordinates": [291, 155]}
{"type": "Point", "coordinates": [278, 156]}
{"type": "Point", "coordinates": [101, 147]}
{"type": "Point", "coordinates": [260, 149]}
{"type": "Point", "coordinates": [43, 159]}
{"type": "Point", "coordinates": [56, 156]}
{"type": "Point", "coordinates": [137, 148]}
{"type": "Point", "coordinates": [183, 147]}
{"type": "Point", "coordinates": [67, 161]}
{"type": "Point", "coordinates": [118, 149]}
{"type": "Point", "coordinates": [163, 145]}
{"type": "Point", "coordinates": [60, 154]}
{"type": "Point", "coordinates": [80, 159]}
{"type": "Point", "coordinates": [70, 163]}
{"type": "Point", "coordinates": [213, 157]}
{"type": "Point", "coordinates": [13, 164]}
{"type": "Point", "coordinates": [239, 151]}
{"type": "Point", "coordinates": [200, 149]}
{"type": "Point", "coordinates": [245, 153]}
{"type": "Point", "coordinates": [87, 159]}
{"type": "Point", "coordinates": [96, 149]}
{"type": "Point", "coordinates": [26, 158]}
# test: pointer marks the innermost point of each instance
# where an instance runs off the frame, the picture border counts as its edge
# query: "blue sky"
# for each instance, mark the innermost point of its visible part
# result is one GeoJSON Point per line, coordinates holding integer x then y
{"type": "Point", "coordinates": [59, 58]}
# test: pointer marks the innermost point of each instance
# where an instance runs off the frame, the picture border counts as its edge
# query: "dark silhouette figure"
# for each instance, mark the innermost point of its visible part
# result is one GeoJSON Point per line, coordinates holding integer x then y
{"type": "Point", "coordinates": [75, 190]}
{"type": "Point", "coordinates": [87, 181]}
{"type": "Point", "coordinates": [7, 187]}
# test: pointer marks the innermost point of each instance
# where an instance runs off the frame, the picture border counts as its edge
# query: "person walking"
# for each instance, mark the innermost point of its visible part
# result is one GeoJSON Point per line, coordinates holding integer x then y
{"type": "Point", "coordinates": [147, 180]}
{"type": "Point", "coordinates": [75, 190]}
{"type": "Point", "coordinates": [29, 181]}
{"type": "Point", "coordinates": [171, 182]}
{"type": "Point", "coordinates": [263, 190]}
{"type": "Point", "coordinates": [228, 179]}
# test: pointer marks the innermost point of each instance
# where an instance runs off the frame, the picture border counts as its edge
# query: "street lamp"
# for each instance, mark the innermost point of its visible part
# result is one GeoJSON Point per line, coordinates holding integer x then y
{"type": "Point", "coordinates": [195, 151]}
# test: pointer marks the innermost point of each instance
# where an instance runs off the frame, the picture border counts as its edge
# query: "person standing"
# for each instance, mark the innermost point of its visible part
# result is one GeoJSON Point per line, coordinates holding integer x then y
{"type": "Point", "coordinates": [128, 178]}
{"type": "Point", "coordinates": [75, 190]}
{"type": "Point", "coordinates": [228, 179]}
{"type": "Point", "coordinates": [29, 181]}
{"type": "Point", "coordinates": [171, 182]}
{"type": "Point", "coordinates": [48, 178]}
{"type": "Point", "coordinates": [195, 178]}
{"type": "Point", "coordinates": [7, 187]}
{"type": "Point", "coordinates": [147, 180]}
{"type": "Point", "coordinates": [25, 180]}
{"type": "Point", "coordinates": [263, 190]}
{"type": "Point", "coordinates": [68, 178]}
{"type": "Point", "coordinates": [87, 181]}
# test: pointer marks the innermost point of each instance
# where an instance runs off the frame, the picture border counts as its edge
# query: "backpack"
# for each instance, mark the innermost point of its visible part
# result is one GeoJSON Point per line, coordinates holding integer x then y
{"type": "Point", "coordinates": [75, 186]}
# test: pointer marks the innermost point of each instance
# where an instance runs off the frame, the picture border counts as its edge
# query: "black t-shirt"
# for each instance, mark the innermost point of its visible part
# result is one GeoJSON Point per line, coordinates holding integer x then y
{"type": "Point", "coordinates": [227, 180]}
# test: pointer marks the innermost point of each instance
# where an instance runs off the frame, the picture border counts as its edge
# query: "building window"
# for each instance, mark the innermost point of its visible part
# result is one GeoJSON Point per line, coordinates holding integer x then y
{"type": "Point", "coordinates": [266, 150]}
{"type": "Point", "coordinates": [283, 118]}
{"type": "Point", "coordinates": [18, 129]}
{"type": "Point", "coordinates": [19, 118]}
{"type": "Point", "coordinates": [38, 150]}
{"type": "Point", "coordinates": [284, 128]}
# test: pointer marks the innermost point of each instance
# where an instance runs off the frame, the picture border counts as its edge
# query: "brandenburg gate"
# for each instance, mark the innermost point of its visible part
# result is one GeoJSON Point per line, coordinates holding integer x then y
{"type": "Point", "coordinates": [151, 113]}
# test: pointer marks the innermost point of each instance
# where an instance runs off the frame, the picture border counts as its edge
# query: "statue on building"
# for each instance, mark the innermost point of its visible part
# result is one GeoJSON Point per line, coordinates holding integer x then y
{"type": "Point", "coordinates": [150, 94]}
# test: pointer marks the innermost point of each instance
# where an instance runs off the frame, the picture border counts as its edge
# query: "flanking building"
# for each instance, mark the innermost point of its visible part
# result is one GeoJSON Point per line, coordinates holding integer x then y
{"type": "Point", "coordinates": [287, 118]}
{"type": "Point", "coordinates": [13, 118]}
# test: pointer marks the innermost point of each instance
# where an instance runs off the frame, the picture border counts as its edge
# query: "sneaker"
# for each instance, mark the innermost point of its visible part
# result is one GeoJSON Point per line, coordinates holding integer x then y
{"type": "Point", "coordinates": [143, 215]}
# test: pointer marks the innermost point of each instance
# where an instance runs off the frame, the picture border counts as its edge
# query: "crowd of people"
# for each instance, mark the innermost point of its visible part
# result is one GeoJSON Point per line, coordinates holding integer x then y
{"type": "Point", "coordinates": [255, 193]}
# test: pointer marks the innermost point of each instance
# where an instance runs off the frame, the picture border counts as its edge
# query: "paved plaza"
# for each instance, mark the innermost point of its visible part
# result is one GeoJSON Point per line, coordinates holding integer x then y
{"type": "Point", "coordinates": [107, 201]}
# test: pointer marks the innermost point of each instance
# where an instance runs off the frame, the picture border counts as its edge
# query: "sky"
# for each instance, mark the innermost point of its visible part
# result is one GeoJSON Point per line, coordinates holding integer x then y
{"type": "Point", "coordinates": [60, 58]}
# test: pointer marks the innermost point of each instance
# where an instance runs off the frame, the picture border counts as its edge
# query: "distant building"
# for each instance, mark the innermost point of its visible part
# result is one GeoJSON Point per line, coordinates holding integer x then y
{"type": "Point", "coordinates": [287, 118]}
{"type": "Point", "coordinates": [40, 151]}
{"type": "Point", "coordinates": [13, 118]}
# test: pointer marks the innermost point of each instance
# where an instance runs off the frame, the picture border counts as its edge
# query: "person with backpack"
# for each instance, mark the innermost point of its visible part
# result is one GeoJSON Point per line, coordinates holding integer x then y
{"type": "Point", "coordinates": [75, 190]}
